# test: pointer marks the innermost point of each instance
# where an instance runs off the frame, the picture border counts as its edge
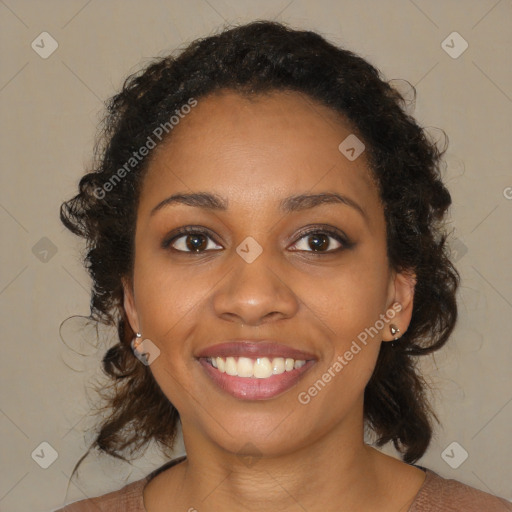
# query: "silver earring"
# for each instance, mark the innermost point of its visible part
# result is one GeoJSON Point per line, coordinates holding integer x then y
{"type": "Point", "coordinates": [135, 341]}
{"type": "Point", "coordinates": [394, 330]}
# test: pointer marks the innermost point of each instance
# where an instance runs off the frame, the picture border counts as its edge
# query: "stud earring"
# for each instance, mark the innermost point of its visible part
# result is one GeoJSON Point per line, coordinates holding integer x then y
{"type": "Point", "coordinates": [394, 330]}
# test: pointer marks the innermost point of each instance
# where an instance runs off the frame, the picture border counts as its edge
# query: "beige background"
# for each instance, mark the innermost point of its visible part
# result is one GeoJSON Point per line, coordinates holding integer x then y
{"type": "Point", "coordinates": [50, 109]}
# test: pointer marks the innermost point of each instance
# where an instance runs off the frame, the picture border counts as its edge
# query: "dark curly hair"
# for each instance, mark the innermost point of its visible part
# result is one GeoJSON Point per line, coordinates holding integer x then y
{"type": "Point", "coordinates": [256, 58]}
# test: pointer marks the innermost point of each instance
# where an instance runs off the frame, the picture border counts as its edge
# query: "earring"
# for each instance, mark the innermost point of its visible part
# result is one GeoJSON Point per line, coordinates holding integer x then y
{"type": "Point", "coordinates": [394, 330]}
{"type": "Point", "coordinates": [136, 340]}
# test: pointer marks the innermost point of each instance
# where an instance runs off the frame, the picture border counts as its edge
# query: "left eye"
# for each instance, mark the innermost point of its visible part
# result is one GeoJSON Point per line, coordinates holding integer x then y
{"type": "Point", "coordinates": [320, 241]}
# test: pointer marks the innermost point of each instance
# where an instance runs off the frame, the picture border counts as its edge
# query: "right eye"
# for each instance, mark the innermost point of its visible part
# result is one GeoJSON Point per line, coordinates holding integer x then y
{"type": "Point", "coordinates": [190, 239]}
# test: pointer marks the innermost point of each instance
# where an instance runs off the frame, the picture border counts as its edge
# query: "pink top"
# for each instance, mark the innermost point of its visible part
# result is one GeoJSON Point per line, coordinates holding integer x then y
{"type": "Point", "coordinates": [437, 494]}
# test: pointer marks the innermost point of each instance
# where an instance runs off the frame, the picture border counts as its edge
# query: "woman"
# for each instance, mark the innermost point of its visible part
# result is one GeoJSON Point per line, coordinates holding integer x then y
{"type": "Point", "coordinates": [264, 225]}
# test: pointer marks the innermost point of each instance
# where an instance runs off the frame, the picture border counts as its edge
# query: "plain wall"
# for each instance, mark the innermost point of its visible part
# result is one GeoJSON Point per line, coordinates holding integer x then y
{"type": "Point", "coordinates": [50, 112]}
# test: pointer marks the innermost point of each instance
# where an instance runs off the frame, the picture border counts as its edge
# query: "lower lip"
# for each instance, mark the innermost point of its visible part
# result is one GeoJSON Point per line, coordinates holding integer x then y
{"type": "Point", "coordinates": [252, 388]}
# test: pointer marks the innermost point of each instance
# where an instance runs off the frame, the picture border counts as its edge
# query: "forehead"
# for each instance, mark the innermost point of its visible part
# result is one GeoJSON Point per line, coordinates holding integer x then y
{"type": "Point", "coordinates": [257, 149]}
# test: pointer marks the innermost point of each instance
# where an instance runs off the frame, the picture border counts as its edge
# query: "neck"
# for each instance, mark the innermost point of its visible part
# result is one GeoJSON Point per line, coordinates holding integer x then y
{"type": "Point", "coordinates": [336, 469]}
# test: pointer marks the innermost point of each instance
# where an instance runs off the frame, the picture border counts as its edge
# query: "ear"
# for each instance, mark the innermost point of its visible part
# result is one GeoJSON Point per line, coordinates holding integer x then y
{"type": "Point", "coordinates": [400, 300]}
{"type": "Point", "coordinates": [129, 304]}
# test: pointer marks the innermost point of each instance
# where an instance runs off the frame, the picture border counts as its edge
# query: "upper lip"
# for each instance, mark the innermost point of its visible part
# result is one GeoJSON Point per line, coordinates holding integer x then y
{"type": "Point", "coordinates": [254, 349]}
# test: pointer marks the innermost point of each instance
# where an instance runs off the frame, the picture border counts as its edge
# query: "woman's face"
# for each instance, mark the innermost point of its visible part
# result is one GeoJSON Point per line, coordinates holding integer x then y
{"type": "Point", "coordinates": [267, 269]}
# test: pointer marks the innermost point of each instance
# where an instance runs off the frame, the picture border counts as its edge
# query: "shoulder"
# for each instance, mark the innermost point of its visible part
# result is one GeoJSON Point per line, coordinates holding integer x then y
{"type": "Point", "coordinates": [127, 499]}
{"type": "Point", "coordinates": [447, 495]}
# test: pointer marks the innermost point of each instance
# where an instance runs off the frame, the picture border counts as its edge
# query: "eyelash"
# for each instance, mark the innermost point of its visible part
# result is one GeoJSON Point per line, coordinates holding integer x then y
{"type": "Point", "coordinates": [192, 230]}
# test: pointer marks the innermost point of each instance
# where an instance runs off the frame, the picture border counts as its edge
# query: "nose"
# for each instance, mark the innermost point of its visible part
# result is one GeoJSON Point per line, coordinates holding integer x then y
{"type": "Point", "coordinates": [255, 293]}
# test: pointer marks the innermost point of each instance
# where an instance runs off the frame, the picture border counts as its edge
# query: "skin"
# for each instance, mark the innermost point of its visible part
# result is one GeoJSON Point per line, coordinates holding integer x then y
{"type": "Point", "coordinates": [255, 152]}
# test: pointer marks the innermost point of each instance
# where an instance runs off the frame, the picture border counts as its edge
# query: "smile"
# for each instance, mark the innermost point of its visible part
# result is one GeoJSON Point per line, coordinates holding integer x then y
{"type": "Point", "coordinates": [254, 369]}
{"type": "Point", "coordinates": [260, 368]}
{"type": "Point", "coordinates": [268, 378]}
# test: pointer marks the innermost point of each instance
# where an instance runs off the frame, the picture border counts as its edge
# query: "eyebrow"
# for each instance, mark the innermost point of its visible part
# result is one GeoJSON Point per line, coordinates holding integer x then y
{"type": "Point", "coordinates": [213, 202]}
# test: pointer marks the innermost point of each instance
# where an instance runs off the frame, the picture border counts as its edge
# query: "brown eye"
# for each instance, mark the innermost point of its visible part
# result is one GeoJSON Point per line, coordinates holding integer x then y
{"type": "Point", "coordinates": [321, 241]}
{"type": "Point", "coordinates": [192, 240]}
{"type": "Point", "coordinates": [195, 243]}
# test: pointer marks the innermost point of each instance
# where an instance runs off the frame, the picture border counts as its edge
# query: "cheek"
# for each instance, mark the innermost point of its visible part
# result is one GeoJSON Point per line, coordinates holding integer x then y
{"type": "Point", "coordinates": [351, 300]}
{"type": "Point", "coordinates": [348, 307]}
{"type": "Point", "coordinates": [167, 301]}
{"type": "Point", "coordinates": [165, 297]}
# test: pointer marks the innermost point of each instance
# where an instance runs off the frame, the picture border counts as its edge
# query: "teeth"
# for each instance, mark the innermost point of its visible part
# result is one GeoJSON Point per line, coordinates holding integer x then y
{"type": "Point", "coordinates": [245, 367]}
{"type": "Point", "coordinates": [231, 366]}
{"type": "Point", "coordinates": [260, 368]}
{"type": "Point", "coordinates": [277, 365]}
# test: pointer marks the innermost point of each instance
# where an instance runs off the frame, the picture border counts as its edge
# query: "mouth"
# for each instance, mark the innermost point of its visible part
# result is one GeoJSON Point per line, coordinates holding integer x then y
{"type": "Point", "coordinates": [260, 368]}
{"type": "Point", "coordinates": [254, 371]}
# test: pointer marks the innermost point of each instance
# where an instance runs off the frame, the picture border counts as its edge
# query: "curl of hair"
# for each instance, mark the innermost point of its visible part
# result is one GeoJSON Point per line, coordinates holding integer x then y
{"type": "Point", "coordinates": [258, 58]}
